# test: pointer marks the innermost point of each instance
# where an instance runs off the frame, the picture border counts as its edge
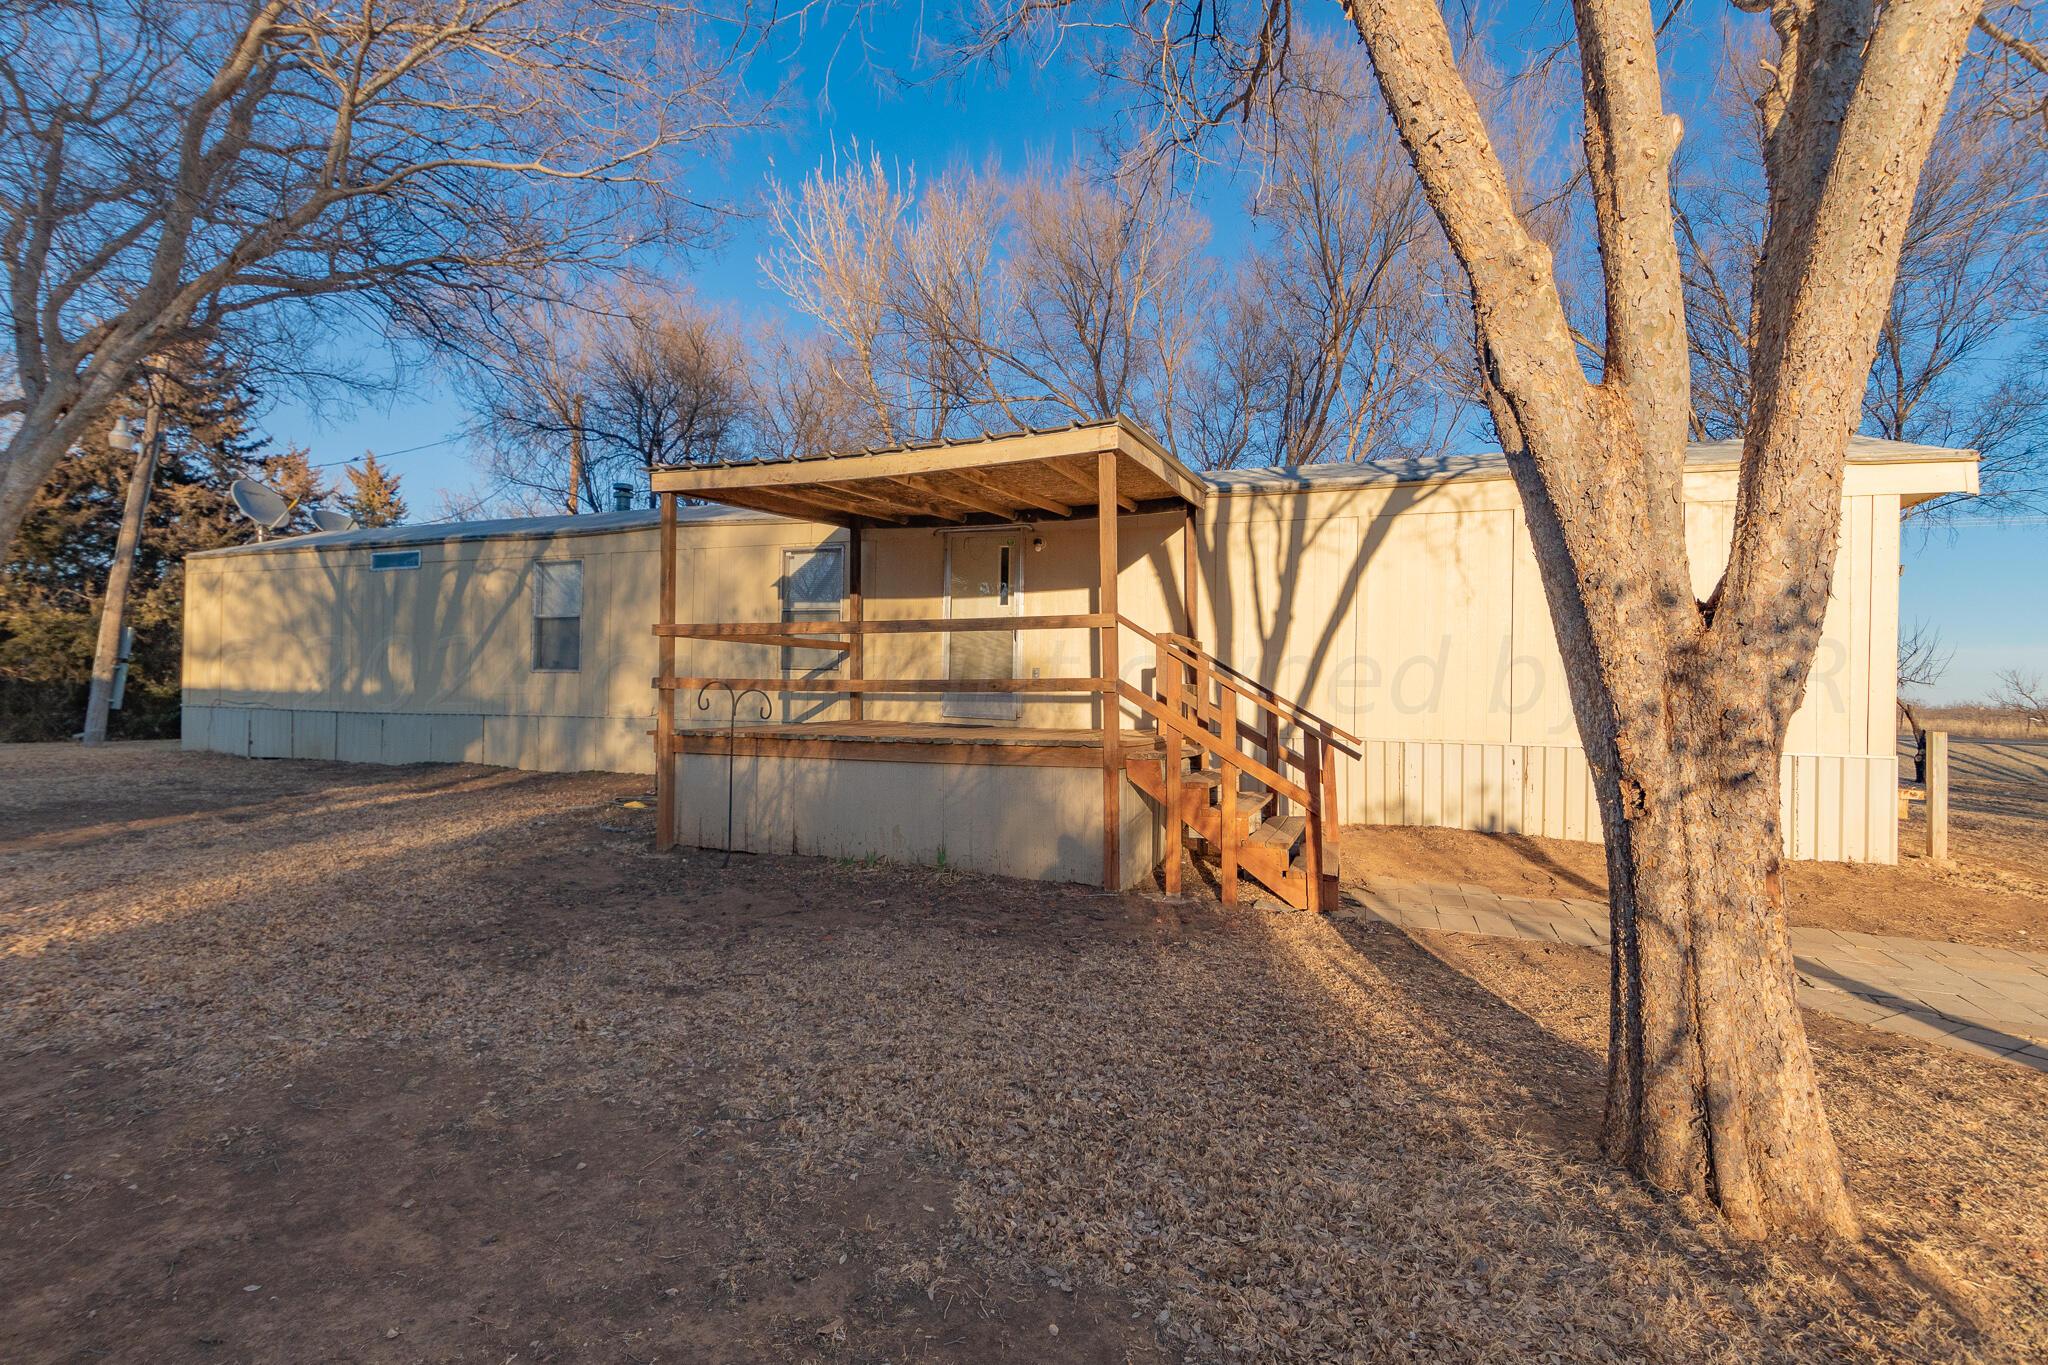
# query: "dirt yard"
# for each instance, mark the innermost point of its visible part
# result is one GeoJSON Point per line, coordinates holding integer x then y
{"type": "Point", "coordinates": [305, 1061]}
{"type": "Point", "coordinates": [1995, 892]}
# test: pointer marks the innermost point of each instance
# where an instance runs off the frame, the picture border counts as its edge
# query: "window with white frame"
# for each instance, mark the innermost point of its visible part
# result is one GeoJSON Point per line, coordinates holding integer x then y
{"type": "Point", "coordinates": [558, 616]}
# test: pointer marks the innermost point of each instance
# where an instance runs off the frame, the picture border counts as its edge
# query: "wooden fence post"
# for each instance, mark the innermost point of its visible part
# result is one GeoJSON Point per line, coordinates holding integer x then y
{"type": "Point", "coordinates": [1937, 795]}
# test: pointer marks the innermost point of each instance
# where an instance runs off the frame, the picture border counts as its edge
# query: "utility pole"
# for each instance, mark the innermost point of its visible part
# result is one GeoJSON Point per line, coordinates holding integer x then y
{"type": "Point", "coordinates": [114, 611]}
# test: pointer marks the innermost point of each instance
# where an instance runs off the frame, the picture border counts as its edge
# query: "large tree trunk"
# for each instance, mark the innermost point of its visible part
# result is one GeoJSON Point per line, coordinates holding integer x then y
{"type": "Point", "coordinates": [1711, 1089]}
{"type": "Point", "coordinates": [25, 464]}
{"type": "Point", "coordinates": [56, 418]}
{"type": "Point", "coordinates": [1683, 705]}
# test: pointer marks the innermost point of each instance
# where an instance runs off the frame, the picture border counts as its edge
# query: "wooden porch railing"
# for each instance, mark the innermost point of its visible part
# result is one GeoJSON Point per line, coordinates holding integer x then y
{"type": "Point", "coordinates": [1197, 707]}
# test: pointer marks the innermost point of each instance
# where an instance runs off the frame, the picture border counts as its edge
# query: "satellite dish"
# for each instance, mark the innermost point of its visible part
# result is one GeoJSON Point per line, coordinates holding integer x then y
{"type": "Point", "coordinates": [330, 519]}
{"type": "Point", "coordinates": [260, 503]}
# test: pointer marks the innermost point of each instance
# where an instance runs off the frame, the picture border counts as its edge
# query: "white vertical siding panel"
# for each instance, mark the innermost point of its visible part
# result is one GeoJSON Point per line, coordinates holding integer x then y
{"type": "Point", "coordinates": [1854, 604]}
{"type": "Point", "coordinates": [1431, 770]}
{"type": "Point", "coordinates": [1577, 780]}
{"type": "Point", "coordinates": [1553, 791]}
{"type": "Point", "coordinates": [1881, 593]}
{"type": "Point", "coordinates": [1511, 766]}
{"type": "Point", "coordinates": [1495, 787]}
{"type": "Point", "coordinates": [270, 734]}
{"type": "Point", "coordinates": [1807, 838]}
{"type": "Point", "coordinates": [1827, 812]}
{"type": "Point", "coordinates": [1411, 785]}
{"type": "Point", "coordinates": [1532, 789]}
{"type": "Point", "coordinates": [1482, 763]}
{"type": "Point", "coordinates": [1856, 812]}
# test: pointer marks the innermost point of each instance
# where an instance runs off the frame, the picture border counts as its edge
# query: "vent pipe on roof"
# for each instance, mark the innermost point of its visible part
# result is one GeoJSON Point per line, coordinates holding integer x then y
{"type": "Point", "coordinates": [622, 497]}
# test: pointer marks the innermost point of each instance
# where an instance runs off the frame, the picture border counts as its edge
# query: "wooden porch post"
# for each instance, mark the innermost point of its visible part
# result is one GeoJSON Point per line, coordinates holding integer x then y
{"type": "Point", "coordinates": [856, 642]}
{"type": "Point", "coordinates": [1169, 669]}
{"type": "Point", "coordinates": [665, 710]}
{"type": "Point", "coordinates": [1106, 550]}
{"type": "Point", "coordinates": [1191, 574]}
{"type": "Point", "coordinates": [1313, 757]}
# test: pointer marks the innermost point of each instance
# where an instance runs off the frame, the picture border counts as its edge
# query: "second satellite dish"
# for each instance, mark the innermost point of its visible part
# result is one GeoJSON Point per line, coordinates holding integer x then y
{"type": "Point", "coordinates": [329, 519]}
{"type": "Point", "coordinates": [260, 503]}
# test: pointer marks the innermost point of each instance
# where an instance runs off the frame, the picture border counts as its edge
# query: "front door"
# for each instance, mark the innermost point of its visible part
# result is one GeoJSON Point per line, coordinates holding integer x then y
{"type": "Point", "coordinates": [813, 589]}
{"type": "Point", "coordinates": [981, 580]}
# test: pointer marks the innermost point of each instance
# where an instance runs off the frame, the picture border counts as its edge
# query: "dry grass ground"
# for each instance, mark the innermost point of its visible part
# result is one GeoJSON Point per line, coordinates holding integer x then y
{"type": "Point", "coordinates": [303, 1061]}
{"type": "Point", "coordinates": [1994, 892]}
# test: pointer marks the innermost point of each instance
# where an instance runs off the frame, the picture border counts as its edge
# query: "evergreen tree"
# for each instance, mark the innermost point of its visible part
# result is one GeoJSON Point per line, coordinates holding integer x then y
{"type": "Point", "coordinates": [56, 570]}
{"type": "Point", "coordinates": [291, 473]}
{"type": "Point", "coordinates": [372, 497]}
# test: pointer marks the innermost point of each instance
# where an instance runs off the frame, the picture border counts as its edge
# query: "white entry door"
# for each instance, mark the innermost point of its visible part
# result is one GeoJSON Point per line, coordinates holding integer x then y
{"type": "Point", "coordinates": [981, 580]}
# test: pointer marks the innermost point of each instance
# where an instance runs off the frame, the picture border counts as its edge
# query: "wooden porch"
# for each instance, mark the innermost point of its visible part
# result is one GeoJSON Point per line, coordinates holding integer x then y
{"type": "Point", "coordinates": [1251, 775]}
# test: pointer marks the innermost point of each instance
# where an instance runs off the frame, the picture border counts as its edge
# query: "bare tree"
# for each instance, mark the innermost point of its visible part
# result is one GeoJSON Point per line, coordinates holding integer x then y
{"type": "Point", "coordinates": [1232, 391]}
{"type": "Point", "coordinates": [667, 385]}
{"type": "Point", "coordinates": [1922, 661]}
{"type": "Point", "coordinates": [1353, 334]}
{"type": "Point", "coordinates": [527, 377]}
{"type": "Point", "coordinates": [2022, 690]}
{"type": "Point", "coordinates": [1923, 658]}
{"type": "Point", "coordinates": [1970, 283]}
{"type": "Point", "coordinates": [1109, 288]}
{"type": "Point", "coordinates": [2010, 47]}
{"type": "Point", "coordinates": [798, 404]}
{"type": "Point", "coordinates": [574, 400]}
{"type": "Point", "coordinates": [1053, 296]}
{"type": "Point", "coordinates": [1682, 704]}
{"type": "Point", "coordinates": [840, 257]}
{"type": "Point", "coordinates": [977, 297]}
{"type": "Point", "coordinates": [169, 170]}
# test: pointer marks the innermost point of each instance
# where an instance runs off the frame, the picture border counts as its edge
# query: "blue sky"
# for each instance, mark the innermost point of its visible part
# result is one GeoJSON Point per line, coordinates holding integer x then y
{"type": "Point", "coordinates": [1982, 585]}
{"type": "Point", "coordinates": [1986, 589]}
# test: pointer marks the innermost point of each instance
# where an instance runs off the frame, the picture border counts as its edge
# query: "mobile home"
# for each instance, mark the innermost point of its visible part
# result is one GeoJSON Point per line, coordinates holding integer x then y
{"type": "Point", "coordinates": [912, 653]}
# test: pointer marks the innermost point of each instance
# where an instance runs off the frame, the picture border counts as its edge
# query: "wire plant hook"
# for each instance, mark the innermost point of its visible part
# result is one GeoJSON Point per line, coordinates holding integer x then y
{"type": "Point", "coordinates": [731, 734]}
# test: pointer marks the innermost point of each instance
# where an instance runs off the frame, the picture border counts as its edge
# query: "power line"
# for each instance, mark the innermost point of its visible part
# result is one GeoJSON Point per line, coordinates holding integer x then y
{"type": "Point", "coordinates": [390, 454]}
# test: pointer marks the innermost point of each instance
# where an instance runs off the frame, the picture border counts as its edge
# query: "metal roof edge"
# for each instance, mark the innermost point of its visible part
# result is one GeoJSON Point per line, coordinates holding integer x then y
{"type": "Point", "coordinates": [501, 528]}
{"type": "Point", "coordinates": [1482, 466]}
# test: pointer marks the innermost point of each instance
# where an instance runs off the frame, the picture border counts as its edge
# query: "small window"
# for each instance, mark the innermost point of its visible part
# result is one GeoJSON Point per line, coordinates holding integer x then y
{"type": "Point", "coordinates": [395, 559]}
{"type": "Point", "coordinates": [558, 617]}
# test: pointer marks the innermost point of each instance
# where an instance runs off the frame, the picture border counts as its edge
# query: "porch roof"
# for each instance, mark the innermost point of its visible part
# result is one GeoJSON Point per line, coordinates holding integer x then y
{"type": "Point", "coordinates": [1024, 475]}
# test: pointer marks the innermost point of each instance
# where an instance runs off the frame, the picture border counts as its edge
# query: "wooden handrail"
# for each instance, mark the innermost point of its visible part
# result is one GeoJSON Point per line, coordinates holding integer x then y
{"type": "Point", "coordinates": [1266, 699]}
{"type": "Point", "coordinates": [740, 631]}
{"type": "Point", "coordinates": [864, 685]}
{"type": "Point", "coordinates": [1210, 743]}
{"type": "Point", "coordinates": [1186, 649]}
{"type": "Point", "coordinates": [1129, 624]}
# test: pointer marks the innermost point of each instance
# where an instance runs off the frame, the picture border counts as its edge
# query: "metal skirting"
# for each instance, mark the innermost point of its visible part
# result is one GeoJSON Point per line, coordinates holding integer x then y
{"type": "Point", "coordinates": [1837, 807]}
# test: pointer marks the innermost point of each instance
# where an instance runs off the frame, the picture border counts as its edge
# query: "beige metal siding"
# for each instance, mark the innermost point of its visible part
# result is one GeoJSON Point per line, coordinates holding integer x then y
{"type": "Point", "coordinates": [1413, 615]}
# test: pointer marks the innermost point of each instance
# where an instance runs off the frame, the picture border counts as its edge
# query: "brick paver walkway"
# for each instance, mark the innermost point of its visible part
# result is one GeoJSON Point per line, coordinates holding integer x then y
{"type": "Point", "coordinates": [1988, 1002]}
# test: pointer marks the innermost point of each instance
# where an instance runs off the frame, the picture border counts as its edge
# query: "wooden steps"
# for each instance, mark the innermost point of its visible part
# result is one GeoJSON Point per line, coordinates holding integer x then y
{"type": "Point", "coordinates": [1271, 851]}
{"type": "Point", "coordinates": [1285, 833]}
{"type": "Point", "coordinates": [1267, 811]}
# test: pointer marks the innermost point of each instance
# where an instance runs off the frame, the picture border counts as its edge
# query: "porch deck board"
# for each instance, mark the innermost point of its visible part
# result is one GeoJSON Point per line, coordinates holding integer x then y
{"type": "Point", "coordinates": [938, 732]}
{"type": "Point", "coordinates": [919, 742]}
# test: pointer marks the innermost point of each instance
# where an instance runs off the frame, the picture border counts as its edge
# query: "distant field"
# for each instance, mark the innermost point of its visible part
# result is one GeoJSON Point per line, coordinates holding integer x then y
{"type": "Point", "coordinates": [1981, 722]}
